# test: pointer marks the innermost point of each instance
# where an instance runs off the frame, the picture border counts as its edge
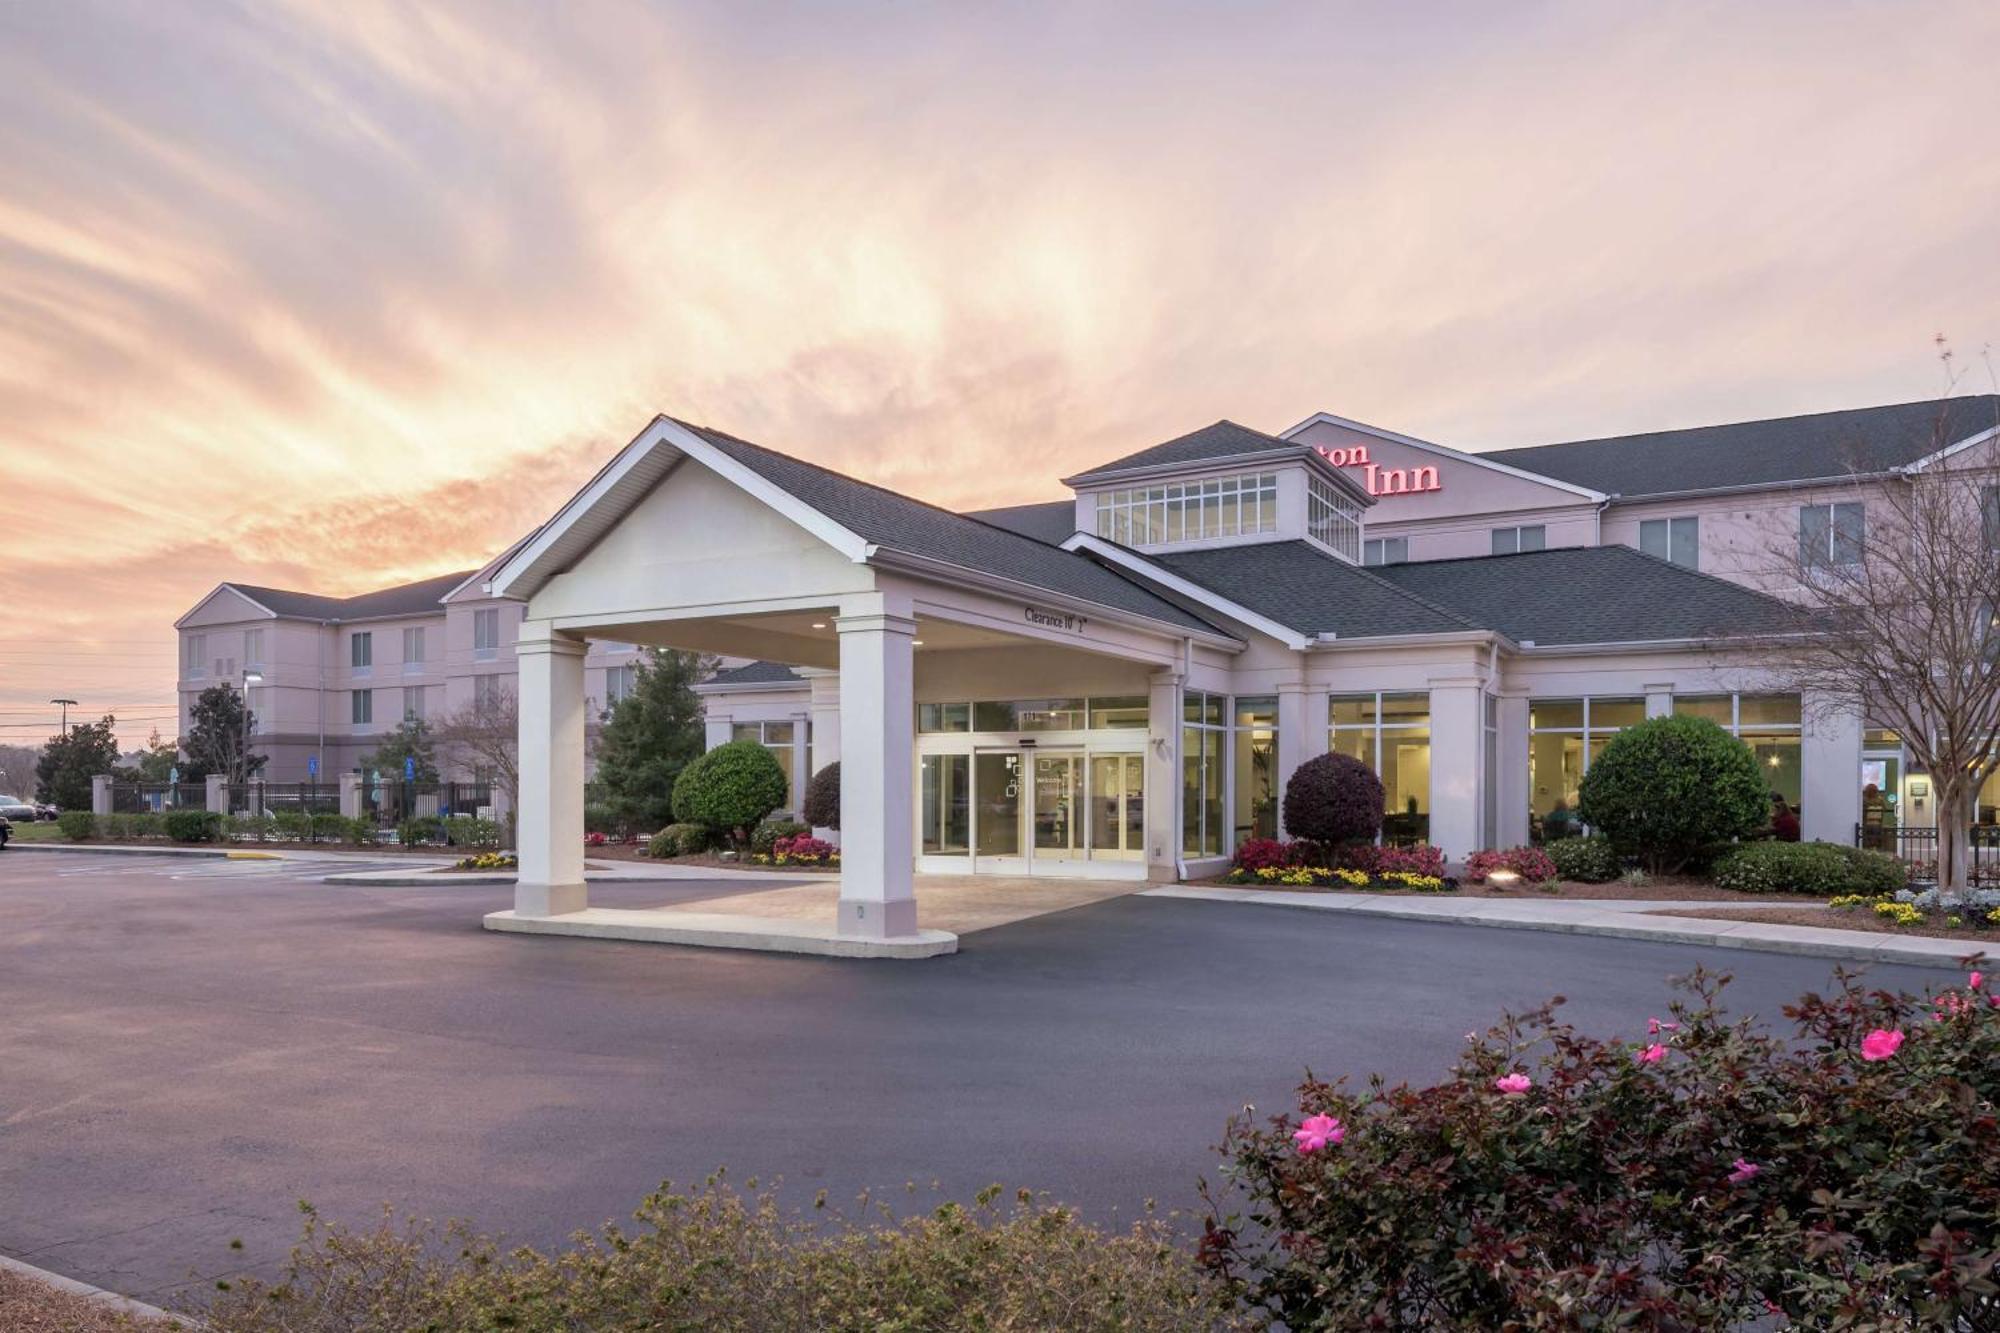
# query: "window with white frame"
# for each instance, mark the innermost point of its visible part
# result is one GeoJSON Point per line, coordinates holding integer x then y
{"type": "Point", "coordinates": [253, 648]}
{"type": "Point", "coordinates": [225, 668]}
{"type": "Point", "coordinates": [197, 656]}
{"type": "Point", "coordinates": [1391, 733]}
{"type": "Point", "coordinates": [414, 703]}
{"type": "Point", "coordinates": [486, 633]}
{"type": "Point", "coordinates": [1180, 511]}
{"type": "Point", "coordinates": [1385, 551]}
{"type": "Point", "coordinates": [361, 707]}
{"type": "Point", "coordinates": [1204, 752]}
{"type": "Point", "coordinates": [618, 683]}
{"type": "Point", "coordinates": [1832, 534]}
{"type": "Point", "coordinates": [1564, 736]}
{"type": "Point", "coordinates": [777, 738]}
{"type": "Point", "coordinates": [1676, 540]}
{"type": "Point", "coordinates": [485, 691]}
{"type": "Point", "coordinates": [1333, 518]}
{"type": "Point", "coordinates": [413, 651]}
{"type": "Point", "coordinates": [1770, 724]}
{"type": "Point", "coordinates": [361, 652]}
{"type": "Point", "coordinates": [1528, 537]}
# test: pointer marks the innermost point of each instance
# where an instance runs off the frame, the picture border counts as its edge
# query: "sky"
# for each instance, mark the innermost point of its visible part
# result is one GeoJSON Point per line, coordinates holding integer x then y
{"type": "Point", "coordinates": [340, 295]}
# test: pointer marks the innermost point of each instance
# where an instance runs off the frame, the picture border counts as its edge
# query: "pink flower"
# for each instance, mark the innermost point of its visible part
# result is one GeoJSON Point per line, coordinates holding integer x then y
{"type": "Point", "coordinates": [1654, 1027]}
{"type": "Point", "coordinates": [1512, 1085]}
{"type": "Point", "coordinates": [1315, 1132]}
{"type": "Point", "coordinates": [1972, 982]}
{"type": "Point", "coordinates": [1652, 1055]}
{"type": "Point", "coordinates": [1745, 1172]}
{"type": "Point", "coordinates": [1881, 1044]}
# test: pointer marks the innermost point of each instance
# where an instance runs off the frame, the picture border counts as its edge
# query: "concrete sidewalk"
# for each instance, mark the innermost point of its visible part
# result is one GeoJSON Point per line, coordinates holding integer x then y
{"type": "Point", "coordinates": [1620, 918]}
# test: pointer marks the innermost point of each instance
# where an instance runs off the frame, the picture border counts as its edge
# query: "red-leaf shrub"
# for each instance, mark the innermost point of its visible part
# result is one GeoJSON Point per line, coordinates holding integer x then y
{"type": "Point", "coordinates": [803, 847]}
{"type": "Point", "coordinates": [1332, 798]}
{"type": "Point", "coordinates": [1702, 1174]}
{"type": "Point", "coordinates": [594, 838]}
{"type": "Point", "coordinates": [1266, 853]}
{"type": "Point", "coordinates": [1418, 859]}
{"type": "Point", "coordinates": [1531, 863]}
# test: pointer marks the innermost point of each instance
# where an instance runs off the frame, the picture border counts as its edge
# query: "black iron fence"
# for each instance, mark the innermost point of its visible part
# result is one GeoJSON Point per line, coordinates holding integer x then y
{"type": "Point", "coordinates": [1918, 847]}
{"type": "Point", "coordinates": [153, 798]}
{"type": "Point", "coordinates": [390, 804]}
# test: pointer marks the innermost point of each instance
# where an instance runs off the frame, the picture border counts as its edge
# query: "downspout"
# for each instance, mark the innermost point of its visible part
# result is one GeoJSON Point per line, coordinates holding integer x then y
{"type": "Point", "coordinates": [1177, 805]}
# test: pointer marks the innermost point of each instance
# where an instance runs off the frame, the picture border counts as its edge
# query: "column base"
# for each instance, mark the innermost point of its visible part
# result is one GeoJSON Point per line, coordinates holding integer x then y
{"type": "Point", "coordinates": [875, 919]}
{"type": "Point", "coordinates": [550, 899]}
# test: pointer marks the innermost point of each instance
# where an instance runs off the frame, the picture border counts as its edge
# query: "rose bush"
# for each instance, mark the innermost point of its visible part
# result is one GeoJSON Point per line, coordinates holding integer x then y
{"type": "Point", "coordinates": [1710, 1175]}
{"type": "Point", "coordinates": [1532, 864]}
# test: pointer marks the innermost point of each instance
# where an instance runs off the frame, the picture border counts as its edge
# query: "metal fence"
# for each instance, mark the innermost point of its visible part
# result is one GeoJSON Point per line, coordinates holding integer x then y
{"type": "Point", "coordinates": [1918, 847]}
{"type": "Point", "coordinates": [141, 798]}
{"type": "Point", "coordinates": [390, 803]}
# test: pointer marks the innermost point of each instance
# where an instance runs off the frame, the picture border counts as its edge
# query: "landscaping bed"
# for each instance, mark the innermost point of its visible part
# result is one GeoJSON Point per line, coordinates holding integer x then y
{"type": "Point", "coordinates": [1863, 917]}
{"type": "Point", "coordinates": [28, 1306]}
{"type": "Point", "coordinates": [1658, 888]}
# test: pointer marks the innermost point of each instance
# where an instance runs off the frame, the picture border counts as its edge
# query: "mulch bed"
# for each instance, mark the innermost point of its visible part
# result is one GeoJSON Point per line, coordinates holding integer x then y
{"type": "Point", "coordinates": [1838, 918]}
{"type": "Point", "coordinates": [705, 861]}
{"type": "Point", "coordinates": [28, 1306]}
{"type": "Point", "coordinates": [1661, 888]}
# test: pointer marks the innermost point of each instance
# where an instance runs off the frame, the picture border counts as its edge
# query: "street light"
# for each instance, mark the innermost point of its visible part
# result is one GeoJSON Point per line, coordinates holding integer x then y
{"type": "Point", "coordinates": [249, 716]}
{"type": "Point", "coordinates": [67, 704]}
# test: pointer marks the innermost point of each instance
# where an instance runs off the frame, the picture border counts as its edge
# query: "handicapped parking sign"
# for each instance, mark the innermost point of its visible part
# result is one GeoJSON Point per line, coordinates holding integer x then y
{"type": "Point", "coordinates": [409, 768]}
{"type": "Point", "coordinates": [312, 765]}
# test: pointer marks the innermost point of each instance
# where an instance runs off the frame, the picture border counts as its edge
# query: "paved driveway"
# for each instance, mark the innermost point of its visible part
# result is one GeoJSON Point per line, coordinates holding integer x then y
{"type": "Point", "coordinates": [186, 1048]}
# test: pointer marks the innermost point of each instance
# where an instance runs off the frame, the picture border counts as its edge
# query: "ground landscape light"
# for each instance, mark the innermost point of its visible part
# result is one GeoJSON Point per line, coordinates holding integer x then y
{"type": "Point", "coordinates": [1503, 879]}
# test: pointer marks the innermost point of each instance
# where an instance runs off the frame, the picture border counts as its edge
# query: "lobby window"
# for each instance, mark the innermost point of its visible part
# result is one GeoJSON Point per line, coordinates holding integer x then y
{"type": "Point", "coordinates": [414, 703]}
{"type": "Point", "coordinates": [361, 707]}
{"type": "Point", "coordinates": [619, 682]}
{"type": "Point", "coordinates": [413, 652]}
{"type": "Point", "coordinates": [1119, 713]}
{"type": "Point", "coordinates": [486, 634]}
{"type": "Point", "coordinates": [253, 648]}
{"type": "Point", "coordinates": [1332, 518]}
{"type": "Point", "coordinates": [1204, 738]}
{"type": "Point", "coordinates": [1564, 735]}
{"type": "Point", "coordinates": [1832, 534]}
{"type": "Point", "coordinates": [361, 652]}
{"type": "Point", "coordinates": [1677, 540]}
{"type": "Point", "coordinates": [1391, 733]}
{"type": "Point", "coordinates": [1770, 724]}
{"type": "Point", "coordinates": [1256, 752]}
{"type": "Point", "coordinates": [1385, 550]}
{"type": "Point", "coordinates": [1190, 511]}
{"type": "Point", "coordinates": [946, 812]}
{"type": "Point", "coordinates": [197, 656]}
{"type": "Point", "coordinates": [777, 738]}
{"type": "Point", "coordinates": [935, 718]}
{"type": "Point", "coordinates": [1509, 541]}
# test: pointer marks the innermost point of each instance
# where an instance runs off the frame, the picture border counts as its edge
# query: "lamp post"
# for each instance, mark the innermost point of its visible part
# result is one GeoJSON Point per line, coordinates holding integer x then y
{"type": "Point", "coordinates": [243, 753]}
{"type": "Point", "coordinates": [67, 704]}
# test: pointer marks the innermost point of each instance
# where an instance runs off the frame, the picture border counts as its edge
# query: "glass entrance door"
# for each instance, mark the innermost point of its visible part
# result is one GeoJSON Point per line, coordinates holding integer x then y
{"type": "Point", "coordinates": [996, 792]}
{"type": "Point", "coordinates": [1055, 812]}
{"type": "Point", "coordinates": [1117, 807]}
{"type": "Point", "coordinates": [1058, 810]}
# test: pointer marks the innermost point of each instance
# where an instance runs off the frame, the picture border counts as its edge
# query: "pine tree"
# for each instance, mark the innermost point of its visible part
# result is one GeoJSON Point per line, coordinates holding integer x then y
{"type": "Point", "coordinates": [651, 735]}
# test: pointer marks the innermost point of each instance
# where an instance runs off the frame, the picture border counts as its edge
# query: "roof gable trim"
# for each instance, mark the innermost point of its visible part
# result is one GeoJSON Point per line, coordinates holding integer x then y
{"type": "Point", "coordinates": [1443, 451]}
{"type": "Point", "coordinates": [210, 596]}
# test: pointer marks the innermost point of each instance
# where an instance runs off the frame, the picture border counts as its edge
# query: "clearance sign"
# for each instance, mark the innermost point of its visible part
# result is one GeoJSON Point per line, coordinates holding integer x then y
{"type": "Point", "coordinates": [1384, 480]}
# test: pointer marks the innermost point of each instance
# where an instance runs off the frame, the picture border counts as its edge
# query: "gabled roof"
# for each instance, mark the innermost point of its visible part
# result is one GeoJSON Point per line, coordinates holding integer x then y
{"type": "Point", "coordinates": [1296, 584]}
{"type": "Point", "coordinates": [1224, 439]}
{"type": "Point", "coordinates": [407, 599]}
{"type": "Point", "coordinates": [755, 673]}
{"type": "Point", "coordinates": [1051, 522]}
{"type": "Point", "coordinates": [856, 517]}
{"type": "Point", "coordinates": [1592, 594]}
{"type": "Point", "coordinates": [1818, 446]}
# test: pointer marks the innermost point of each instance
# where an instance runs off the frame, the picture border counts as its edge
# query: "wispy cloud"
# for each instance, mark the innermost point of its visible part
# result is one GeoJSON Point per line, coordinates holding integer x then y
{"type": "Point", "coordinates": [333, 295]}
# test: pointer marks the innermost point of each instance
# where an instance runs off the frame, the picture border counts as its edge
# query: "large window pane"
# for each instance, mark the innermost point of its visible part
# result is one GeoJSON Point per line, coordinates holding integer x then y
{"type": "Point", "coordinates": [944, 717]}
{"type": "Point", "coordinates": [1050, 715]}
{"type": "Point", "coordinates": [1768, 709]}
{"type": "Point", "coordinates": [1256, 770]}
{"type": "Point", "coordinates": [1615, 714]}
{"type": "Point", "coordinates": [1778, 758]}
{"type": "Point", "coordinates": [1201, 791]}
{"type": "Point", "coordinates": [946, 804]}
{"type": "Point", "coordinates": [988, 715]}
{"type": "Point", "coordinates": [1352, 711]}
{"type": "Point", "coordinates": [1406, 709]}
{"type": "Point", "coordinates": [1548, 714]}
{"type": "Point", "coordinates": [1715, 707]}
{"type": "Point", "coordinates": [1406, 783]}
{"type": "Point", "coordinates": [1118, 713]}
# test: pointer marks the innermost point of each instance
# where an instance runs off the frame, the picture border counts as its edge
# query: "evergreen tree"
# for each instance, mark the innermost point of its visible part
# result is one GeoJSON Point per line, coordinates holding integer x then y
{"type": "Point", "coordinates": [411, 740]}
{"type": "Point", "coordinates": [651, 735]}
{"type": "Point", "coordinates": [68, 763]}
{"type": "Point", "coordinates": [218, 740]}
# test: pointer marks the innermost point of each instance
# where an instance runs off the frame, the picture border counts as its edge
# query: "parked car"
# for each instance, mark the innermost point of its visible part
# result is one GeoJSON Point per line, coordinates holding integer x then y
{"type": "Point", "coordinates": [16, 810]}
{"type": "Point", "coordinates": [6, 832]}
{"type": "Point", "coordinates": [47, 809]}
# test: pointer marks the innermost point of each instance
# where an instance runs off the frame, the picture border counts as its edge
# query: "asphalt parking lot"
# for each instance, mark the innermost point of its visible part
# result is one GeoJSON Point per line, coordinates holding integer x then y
{"type": "Point", "coordinates": [190, 1047]}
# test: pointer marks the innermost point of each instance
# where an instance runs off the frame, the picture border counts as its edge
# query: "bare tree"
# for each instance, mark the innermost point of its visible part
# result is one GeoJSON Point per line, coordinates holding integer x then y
{"type": "Point", "coordinates": [1904, 609]}
{"type": "Point", "coordinates": [484, 736]}
{"type": "Point", "coordinates": [17, 770]}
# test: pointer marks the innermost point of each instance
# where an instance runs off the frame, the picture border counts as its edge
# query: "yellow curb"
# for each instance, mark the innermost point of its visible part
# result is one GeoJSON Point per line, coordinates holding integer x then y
{"type": "Point", "coordinates": [253, 856]}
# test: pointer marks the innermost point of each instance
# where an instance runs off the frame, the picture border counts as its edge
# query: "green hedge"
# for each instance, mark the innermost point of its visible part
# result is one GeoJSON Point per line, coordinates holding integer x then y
{"type": "Point", "coordinates": [77, 825]}
{"type": "Point", "coordinates": [680, 840]}
{"type": "Point", "coordinates": [767, 833]}
{"type": "Point", "coordinates": [192, 825]}
{"type": "Point", "coordinates": [420, 829]}
{"type": "Point", "coordinates": [1820, 868]}
{"type": "Point", "coordinates": [1587, 860]}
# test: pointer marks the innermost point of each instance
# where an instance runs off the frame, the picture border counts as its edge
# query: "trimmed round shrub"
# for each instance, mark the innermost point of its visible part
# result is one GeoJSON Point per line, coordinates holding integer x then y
{"type": "Point", "coordinates": [765, 837]}
{"type": "Point", "coordinates": [1332, 799]}
{"type": "Point", "coordinates": [1588, 860]}
{"type": "Point", "coordinates": [823, 798]}
{"type": "Point", "coordinates": [76, 825]}
{"type": "Point", "coordinates": [731, 789]}
{"type": "Point", "coordinates": [680, 840]}
{"type": "Point", "coordinates": [1669, 788]}
{"type": "Point", "coordinates": [1823, 869]}
{"type": "Point", "coordinates": [192, 825]}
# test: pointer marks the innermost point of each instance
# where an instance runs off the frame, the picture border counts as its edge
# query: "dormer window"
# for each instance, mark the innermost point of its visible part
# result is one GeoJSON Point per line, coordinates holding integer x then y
{"type": "Point", "coordinates": [1332, 519]}
{"type": "Point", "coordinates": [1238, 506]}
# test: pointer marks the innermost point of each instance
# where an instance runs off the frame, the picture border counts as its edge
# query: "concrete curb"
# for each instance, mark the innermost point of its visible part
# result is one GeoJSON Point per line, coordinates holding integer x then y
{"type": "Point", "coordinates": [724, 930]}
{"type": "Point", "coordinates": [1804, 941]}
{"type": "Point", "coordinates": [117, 849]}
{"type": "Point", "coordinates": [111, 1299]}
{"type": "Point", "coordinates": [401, 879]}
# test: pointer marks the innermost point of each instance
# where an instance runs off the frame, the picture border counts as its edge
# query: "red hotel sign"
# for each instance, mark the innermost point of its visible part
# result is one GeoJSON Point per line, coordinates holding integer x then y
{"type": "Point", "coordinates": [1384, 480]}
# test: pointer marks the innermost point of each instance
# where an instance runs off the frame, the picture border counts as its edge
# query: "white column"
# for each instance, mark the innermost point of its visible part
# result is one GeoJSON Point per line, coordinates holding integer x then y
{"type": "Point", "coordinates": [1515, 797]}
{"type": "Point", "coordinates": [1302, 735]}
{"type": "Point", "coordinates": [550, 881]}
{"type": "Point", "coordinates": [878, 739]}
{"type": "Point", "coordinates": [100, 794]}
{"type": "Point", "coordinates": [350, 796]}
{"type": "Point", "coordinates": [1163, 776]}
{"type": "Point", "coordinates": [218, 793]}
{"type": "Point", "coordinates": [716, 728]}
{"type": "Point", "coordinates": [1830, 755]}
{"type": "Point", "coordinates": [825, 687]}
{"type": "Point", "coordinates": [1457, 730]}
{"type": "Point", "coordinates": [802, 769]}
